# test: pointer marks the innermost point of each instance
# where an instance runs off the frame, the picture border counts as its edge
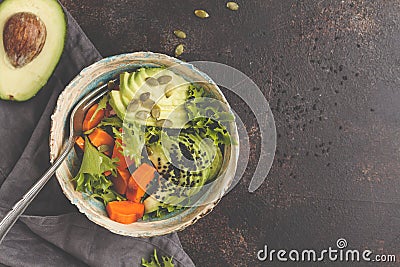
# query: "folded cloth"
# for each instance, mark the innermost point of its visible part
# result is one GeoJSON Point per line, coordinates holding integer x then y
{"type": "Point", "coordinates": [52, 232]}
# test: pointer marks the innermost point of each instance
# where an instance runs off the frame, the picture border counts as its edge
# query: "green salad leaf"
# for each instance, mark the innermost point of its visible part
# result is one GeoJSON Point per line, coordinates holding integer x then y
{"type": "Point", "coordinates": [91, 179]}
{"type": "Point", "coordinates": [155, 262]}
{"type": "Point", "coordinates": [101, 105]}
{"type": "Point", "coordinates": [196, 92]}
{"type": "Point", "coordinates": [208, 116]}
{"type": "Point", "coordinates": [95, 162]}
{"type": "Point", "coordinates": [114, 122]}
{"type": "Point", "coordinates": [133, 136]}
{"type": "Point", "coordinates": [208, 107]}
{"type": "Point", "coordinates": [209, 128]}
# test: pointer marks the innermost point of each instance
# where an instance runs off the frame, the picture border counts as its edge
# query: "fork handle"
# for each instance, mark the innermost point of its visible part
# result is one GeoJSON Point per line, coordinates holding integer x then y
{"type": "Point", "coordinates": [19, 207]}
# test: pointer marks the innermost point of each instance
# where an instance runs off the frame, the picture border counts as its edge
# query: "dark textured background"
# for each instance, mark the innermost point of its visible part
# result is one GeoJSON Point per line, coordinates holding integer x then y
{"type": "Point", "coordinates": [330, 70]}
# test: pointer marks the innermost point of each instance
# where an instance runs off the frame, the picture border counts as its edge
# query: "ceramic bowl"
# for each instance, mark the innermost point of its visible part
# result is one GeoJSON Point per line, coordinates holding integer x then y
{"type": "Point", "coordinates": [99, 73]}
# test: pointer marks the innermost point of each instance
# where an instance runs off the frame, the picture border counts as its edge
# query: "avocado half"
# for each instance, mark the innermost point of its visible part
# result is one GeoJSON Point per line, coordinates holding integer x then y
{"type": "Point", "coordinates": [32, 40]}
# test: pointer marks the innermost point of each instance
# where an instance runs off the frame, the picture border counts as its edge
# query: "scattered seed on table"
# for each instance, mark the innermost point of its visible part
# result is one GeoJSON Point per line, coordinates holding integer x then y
{"type": "Point", "coordinates": [232, 6]}
{"type": "Point", "coordinates": [180, 34]}
{"type": "Point", "coordinates": [179, 50]}
{"type": "Point", "coordinates": [201, 13]}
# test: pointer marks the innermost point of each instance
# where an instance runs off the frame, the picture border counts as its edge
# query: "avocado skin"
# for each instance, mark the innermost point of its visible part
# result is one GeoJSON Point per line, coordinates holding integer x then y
{"type": "Point", "coordinates": [22, 86]}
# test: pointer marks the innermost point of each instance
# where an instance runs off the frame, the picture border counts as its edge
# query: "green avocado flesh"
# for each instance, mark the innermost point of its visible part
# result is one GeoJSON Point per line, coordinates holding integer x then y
{"type": "Point", "coordinates": [149, 88]}
{"type": "Point", "coordinates": [186, 162]}
{"type": "Point", "coordinates": [22, 83]}
{"type": "Point", "coordinates": [117, 103]}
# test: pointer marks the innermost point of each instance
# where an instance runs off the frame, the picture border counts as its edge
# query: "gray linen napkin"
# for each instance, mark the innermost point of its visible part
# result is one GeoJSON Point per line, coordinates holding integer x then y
{"type": "Point", "coordinates": [52, 232]}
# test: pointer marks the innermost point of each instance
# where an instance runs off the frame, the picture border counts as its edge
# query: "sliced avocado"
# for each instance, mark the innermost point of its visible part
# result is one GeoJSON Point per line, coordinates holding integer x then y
{"type": "Point", "coordinates": [216, 165]}
{"type": "Point", "coordinates": [151, 204]}
{"type": "Point", "coordinates": [186, 163]}
{"type": "Point", "coordinates": [132, 84]}
{"type": "Point", "coordinates": [151, 72]}
{"type": "Point", "coordinates": [124, 87]}
{"type": "Point", "coordinates": [117, 104]}
{"type": "Point", "coordinates": [179, 86]}
{"type": "Point", "coordinates": [23, 72]}
{"type": "Point", "coordinates": [176, 114]}
{"type": "Point", "coordinates": [125, 100]}
{"type": "Point", "coordinates": [138, 84]}
{"type": "Point", "coordinates": [166, 89]}
{"type": "Point", "coordinates": [138, 79]}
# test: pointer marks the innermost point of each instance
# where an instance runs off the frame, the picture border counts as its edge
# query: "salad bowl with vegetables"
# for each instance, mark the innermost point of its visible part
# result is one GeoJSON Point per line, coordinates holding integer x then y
{"type": "Point", "coordinates": [158, 151]}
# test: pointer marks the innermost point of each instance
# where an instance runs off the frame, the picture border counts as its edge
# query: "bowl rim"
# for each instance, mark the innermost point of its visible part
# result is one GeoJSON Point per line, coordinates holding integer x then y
{"type": "Point", "coordinates": [206, 208]}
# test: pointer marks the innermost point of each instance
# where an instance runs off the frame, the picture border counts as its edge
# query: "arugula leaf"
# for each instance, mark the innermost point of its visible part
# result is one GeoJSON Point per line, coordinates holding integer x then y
{"type": "Point", "coordinates": [90, 178]}
{"type": "Point", "coordinates": [102, 105]}
{"type": "Point", "coordinates": [155, 262]}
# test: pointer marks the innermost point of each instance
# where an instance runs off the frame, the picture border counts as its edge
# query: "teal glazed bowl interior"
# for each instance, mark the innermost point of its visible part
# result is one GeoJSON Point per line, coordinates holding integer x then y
{"type": "Point", "coordinates": [99, 73]}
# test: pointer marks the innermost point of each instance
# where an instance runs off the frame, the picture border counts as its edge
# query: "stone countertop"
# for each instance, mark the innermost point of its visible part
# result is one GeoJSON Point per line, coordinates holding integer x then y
{"type": "Point", "coordinates": [330, 71]}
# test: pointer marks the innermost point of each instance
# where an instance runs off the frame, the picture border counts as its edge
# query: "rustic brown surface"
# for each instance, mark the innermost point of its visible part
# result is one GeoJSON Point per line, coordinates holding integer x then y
{"type": "Point", "coordinates": [330, 70]}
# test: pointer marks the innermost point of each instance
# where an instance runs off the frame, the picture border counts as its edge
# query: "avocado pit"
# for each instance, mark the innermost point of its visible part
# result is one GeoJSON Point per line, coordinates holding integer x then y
{"type": "Point", "coordinates": [24, 36]}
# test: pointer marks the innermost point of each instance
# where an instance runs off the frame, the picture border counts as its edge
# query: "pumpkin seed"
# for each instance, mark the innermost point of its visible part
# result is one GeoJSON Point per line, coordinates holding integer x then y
{"type": "Point", "coordinates": [148, 103]}
{"type": "Point", "coordinates": [164, 79]}
{"type": "Point", "coordinates": [155, 112]}
{"type": "Point", "coordinates": [151, 81]}
{"type": "Point", "coordinates": [164, 123]}
{"type": "Point", "coordinates": [142, 115]}
{"type": "Point", "coordinates": [201, 13]}
{"type": "Point", "coordinates": [232, 6]}
{"type": "Point", "coordinates": [179, 50]}
{"type": "Point", "coordinates": [103, 148]}
{"type": "Point", "coordinates": [143, 97]}
{"type": "Point", "coordinates": [111, 85]}
{"type": "Point", "coordinates": [180, 34]}
{"type": "Point", "coordinates": [168, 90]}
{"type": "Point", "coordinates": [133, 106]}
{"type": "Point", "coordinates": [149, 151]}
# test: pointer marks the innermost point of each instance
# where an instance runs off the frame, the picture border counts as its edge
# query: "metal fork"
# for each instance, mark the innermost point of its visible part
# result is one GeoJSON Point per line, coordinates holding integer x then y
{"type": "Point", "coordinates": [76, 120]}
